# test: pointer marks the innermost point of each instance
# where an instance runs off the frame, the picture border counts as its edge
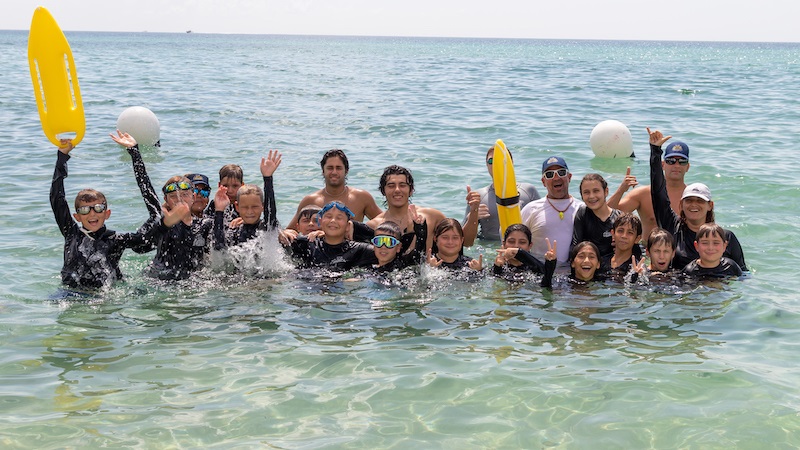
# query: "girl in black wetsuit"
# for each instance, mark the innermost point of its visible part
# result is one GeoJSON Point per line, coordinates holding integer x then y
{"type": "Point", "coordinates": [448, 247]}
{"type": "Point", "coordinates": [514, 259]}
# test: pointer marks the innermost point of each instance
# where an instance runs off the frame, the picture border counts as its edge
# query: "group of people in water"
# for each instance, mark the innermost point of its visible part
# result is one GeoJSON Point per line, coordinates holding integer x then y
{"type": "Point", "coordinates": [593, 238]}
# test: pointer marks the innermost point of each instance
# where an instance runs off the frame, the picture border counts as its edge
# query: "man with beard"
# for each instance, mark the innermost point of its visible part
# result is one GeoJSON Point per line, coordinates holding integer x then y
{"type": "Point", "coordinates": [335, 167]}
{"type": "Point", "coordinates": [551, 217]}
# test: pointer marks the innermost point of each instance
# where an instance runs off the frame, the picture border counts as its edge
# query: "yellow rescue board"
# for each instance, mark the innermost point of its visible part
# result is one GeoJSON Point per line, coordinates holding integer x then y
{"type": "Point", "coordinates": [505, 187]}
{"type": "Point", "coordinates": [55, 80]}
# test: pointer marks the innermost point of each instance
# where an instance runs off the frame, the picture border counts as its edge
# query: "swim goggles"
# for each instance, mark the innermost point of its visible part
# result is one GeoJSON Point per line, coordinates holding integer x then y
{"type": "Point", "coordinates": [672, 161]}
{"type": "Point", "coordinates": [338, 205]}
{"type": "Point", "coordinates": [84, 210]}
{"type": "Point", "coordinates": [182, 185]}
{"type": "Point", "coordinates": [550, 174]}
{"type": "Point", "coordinates": [385, 241]}
{"type": "Point", "coordinates": [203, 192]}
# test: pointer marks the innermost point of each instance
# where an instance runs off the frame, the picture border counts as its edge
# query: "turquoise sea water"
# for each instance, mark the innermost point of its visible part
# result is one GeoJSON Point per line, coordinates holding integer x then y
{"type": "Point", "coordinates": [277, 361]}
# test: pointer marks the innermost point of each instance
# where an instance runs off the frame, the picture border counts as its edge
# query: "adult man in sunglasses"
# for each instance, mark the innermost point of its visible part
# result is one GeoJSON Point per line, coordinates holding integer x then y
{"type": "Point", "coordinates": [675, 166]}
{"type": "Point", "coordinates": [488, 227]}
{"type": "Point", "coordinates": [551, 217]}
{"type": "Point", "coordinates": [202, 193]}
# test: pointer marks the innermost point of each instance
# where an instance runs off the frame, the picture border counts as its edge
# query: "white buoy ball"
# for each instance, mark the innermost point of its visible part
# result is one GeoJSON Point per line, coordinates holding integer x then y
{"type": "Point", "coordinates": [611, 139]}
{"type": "Point", "coordinates": [140, 123]}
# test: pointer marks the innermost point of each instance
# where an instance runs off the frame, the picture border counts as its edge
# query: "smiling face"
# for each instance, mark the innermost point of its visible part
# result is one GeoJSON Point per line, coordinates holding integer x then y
{"type": "Point", "coordinates": [661, 255]}
{"type": "Point", "coordinates": [449, 243]}
{"type": "Point", "coordinates": [334, 172]}
{"type": "Point", "coordinates": [94, 220]}
{"type": "Point", "coordinates": [695, 209]}
{"type": "Point", "coordinates": [517, 239]}
{"type": "Point", "coordinates": [307, 224]}
{"type": "Point", "coordinates": [385, 255]}
{"type": "Point", "coordinates": [710, 247]}
{"type": "Point", "coordinates": [334, 224]}
{"type": "Point", "coordinates": [250, 208]}
{"type": "Point", "coordinates": [558, 186]}
{"type": "Point", "coordinates": [585, 263]}
{"type": "Point", "coordinates": [397, 191]}
{"type": "Point", "coordinates": [593, 194]}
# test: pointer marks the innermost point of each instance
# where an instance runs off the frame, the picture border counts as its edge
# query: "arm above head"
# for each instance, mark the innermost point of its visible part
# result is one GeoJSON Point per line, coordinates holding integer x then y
{"type": "Point", "coordinates": [665, 216]}
{"type": "Point", "coordinates": [268, 167]}
{"type": "Point", "coordinates": [470, 225]}
{"type": "Point", "coordinates": [630, 202]}
{"type": "Point", "coordinates": [58, 199]}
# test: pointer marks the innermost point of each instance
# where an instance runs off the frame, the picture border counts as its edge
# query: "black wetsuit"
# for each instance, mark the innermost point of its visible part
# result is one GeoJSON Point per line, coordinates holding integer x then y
{"type": "Point", "coordinates": [588, 227]}
{"type": "Point", "coordinates": [672, 222]}
{"type": "Point", "coordinates": [338, 258]}
{"type": "Point", "coordinates": [91, 260]}
{"type": "Point", "coordinates": [413, 257]}
{"type": "Point", "coordinates": [460, 263]}
{"type": "Point", "coordinates": [621, 270]}
{"type": "Point", "coordinates": [224, 236]}
{"type": "Point", "coordinates": [726, 268]}
{"type": "Point", "coordinates": [230, 212]}
{"type": "Point", "coordinates": [530, 264]}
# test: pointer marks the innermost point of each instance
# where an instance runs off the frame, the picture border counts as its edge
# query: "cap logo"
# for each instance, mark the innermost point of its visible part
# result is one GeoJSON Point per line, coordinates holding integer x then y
{"type": "Point", "coordinates": [677, 148]}
{"type": "Point", "coordinates": [552, 160]}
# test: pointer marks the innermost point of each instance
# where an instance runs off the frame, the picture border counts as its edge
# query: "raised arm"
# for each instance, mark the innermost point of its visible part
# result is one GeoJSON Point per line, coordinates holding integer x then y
{"type": "Point", "coordinates": [665, 216]}
{"type": "Point", "coordinates": [628, 203]}
{"type": "Point", "coordinates": [470, 225]}
{"type": "Point", "coordinates": [268, 167]}
{"type": "Point", "coordinates": [58, 199]}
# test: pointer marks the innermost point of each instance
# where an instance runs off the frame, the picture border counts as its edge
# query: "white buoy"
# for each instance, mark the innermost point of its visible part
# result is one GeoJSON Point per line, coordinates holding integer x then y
{"type": "Point", "coordinates": [142, 124]}
{"type": "Point", "coordinates": [611, 139]}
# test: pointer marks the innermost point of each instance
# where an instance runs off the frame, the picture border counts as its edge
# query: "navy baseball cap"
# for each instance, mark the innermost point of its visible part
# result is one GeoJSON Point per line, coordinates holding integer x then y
{"type": "Point", "coordinates": [677, 148]}
{"type": "Point", "coordinates": [197, 178]}
{"type": "Point", "coordinates": [554, 161]}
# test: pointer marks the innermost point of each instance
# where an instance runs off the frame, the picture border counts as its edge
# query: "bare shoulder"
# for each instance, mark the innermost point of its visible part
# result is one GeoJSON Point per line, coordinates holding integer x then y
{"type": "Point", "coordinates": [361, 194]}
{"type": "Point", "coordinates": [375, 221]}
{"type": "Point", "coordinates": [317, 198]}
{"type": "Point", "coordinates": [432, 215]}
{"type": "Point", "coordinates": [640, 192]}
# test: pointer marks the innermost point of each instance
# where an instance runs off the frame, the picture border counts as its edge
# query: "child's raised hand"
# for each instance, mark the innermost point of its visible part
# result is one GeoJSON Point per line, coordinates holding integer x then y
{"type": "Point", "coordinates": [123, 139]}
{"type": "Point", "coordinates": [432, 260]}
{"type": "Point", "coordinates": [65, 146]}
{"type": "Point", "coordinates": [270, 164]}
{"type": "Point", "coordinates": [412, 214]}
{"type": "Point", "coordinates": [508, 253]}
{"type": "Point", "coordinates": [477, 264]}
{"type": "Point", "coordinates": [638, 268]}
{"type": "Point", "coordinates": [287, 236]}
{"type": "Point", "coordinates": [178, 213]}
{"type": "Point", "coordinates": [316, 234]}
{"type": "Point", "coordinates": [221, 200]}
{"type": "Point", "coordinates": [236, 223]}
{"type": "Point", "coordinates": [551, 252]}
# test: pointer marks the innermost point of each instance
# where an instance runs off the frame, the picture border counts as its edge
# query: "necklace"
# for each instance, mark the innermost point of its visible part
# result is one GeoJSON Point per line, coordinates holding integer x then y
{"type": "Point", "coordinates": [337, 195]}
{"type": "Point", "coordinates": [560, 211]}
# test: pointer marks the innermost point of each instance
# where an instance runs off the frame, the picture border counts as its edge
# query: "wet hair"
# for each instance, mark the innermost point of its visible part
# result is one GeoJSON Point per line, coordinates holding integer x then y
{"type": "Point", "coordinates": [396, 170]}
{"type": "Point", "coordinates": [444, 226]}
{"type": "Point", "coordinates": [518, 227]}
{"type": "Point", "coordinates": [709, 215]}
{"type": "Point", "coordinates": [710, 229]}
{"type": "Point", "coordinates": [231, 171]}
{"type": "Point", "coordinates": [175, 179]}
{"type": "Point", "coordinates": [89, 195]}
{"type": "Point", "coordinates": [490, 152]}
{"type": "Point", "coordinates": [660, 236]}
{"type": "Point", "coordinates": [309, 211]}
{"type": "Point", "coordinates": [250, 189]}
{"type": "Point", "coordinates": [335, 153]}
{"type": "Point", "coordinates": [389, 228]}
{"type": "Point", "coordinates": [628, 219]}
{"type": "Point", "coordinates": [593, 177]}
{"type": "Point", "coordinates": [580, 246]}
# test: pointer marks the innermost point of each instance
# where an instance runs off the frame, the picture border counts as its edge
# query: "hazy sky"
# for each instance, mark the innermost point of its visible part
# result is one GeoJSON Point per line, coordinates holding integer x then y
{"type": "Point", "coordinates": [705, 20]}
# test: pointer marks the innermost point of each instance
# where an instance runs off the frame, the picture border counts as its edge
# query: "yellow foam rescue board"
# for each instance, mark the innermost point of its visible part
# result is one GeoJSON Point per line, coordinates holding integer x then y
{"type": "Point", "coordinates": [505, 187]}
{"type": "Point", "coordinates": [55, 80]}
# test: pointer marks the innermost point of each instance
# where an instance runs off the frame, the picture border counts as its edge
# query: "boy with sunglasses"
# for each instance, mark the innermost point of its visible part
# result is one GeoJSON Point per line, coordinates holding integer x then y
{"type": "Point", "coordinates": [92, 251]}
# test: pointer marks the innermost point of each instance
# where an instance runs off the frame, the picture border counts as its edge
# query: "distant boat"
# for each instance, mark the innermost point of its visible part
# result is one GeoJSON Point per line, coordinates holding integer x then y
{"type": "Point", "coordinates": [188, 31]}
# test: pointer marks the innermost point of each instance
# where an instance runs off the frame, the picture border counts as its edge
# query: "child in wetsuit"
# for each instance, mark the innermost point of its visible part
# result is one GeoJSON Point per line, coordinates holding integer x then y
{"type": "Point", "coordinates": [626, 232]}
{"type": "Point", "coordinates": [251, 203]}
{"type": "Point", "coordinates": [389, 249]}
{"type": "Point", "coordinates": [332, 251]}
{"type": "Point", "coordinates": [231, 177]}
{"type": "Point", "coordinates": [92, 251]}
{"type": "Point", "coordinates": [584, 260]}
{"type": "Point", "coordinates": [710, 245]}
{"type": "Point", "coordinates": [514, 260]}
{"type": "Point", "coordinates": [448, 248]}
{"type": "Point", "coordinates": [594, 220]}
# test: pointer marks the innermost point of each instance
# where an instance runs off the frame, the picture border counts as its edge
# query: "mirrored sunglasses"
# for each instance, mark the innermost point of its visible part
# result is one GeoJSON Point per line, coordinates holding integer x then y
{"type": "Point", "coordinates": [490, 161]}
{"type": "Point", "coordinates": [84, 210]}
{"type": "Point", "coordinates": [203, 192]}
{"type": "Point", "coordinates": [550, 174]}
{"type": "Point", "coordinates": [182, 185]}
{"type": "Point", "coordinates": [385, 241]}
{"type": "Point", "coordinates": [672, 161]}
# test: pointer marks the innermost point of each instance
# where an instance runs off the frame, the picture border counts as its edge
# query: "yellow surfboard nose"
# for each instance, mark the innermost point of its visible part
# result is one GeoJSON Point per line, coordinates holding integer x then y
{"type": "Point", "coordinates": [55, 80]}
{"type": "Point", "coordinates": [505, 187]}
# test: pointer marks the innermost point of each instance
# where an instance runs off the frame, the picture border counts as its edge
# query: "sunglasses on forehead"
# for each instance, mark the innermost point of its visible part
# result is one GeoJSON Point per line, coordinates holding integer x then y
{"type": "Point", "coordinates": [84, 210]}
{"type": "Point", "coordinates": [181, 185]}
{"type": "Point", "coordinates": [550, 174]}
{"type": "Point", "coordinates": [385, 241]}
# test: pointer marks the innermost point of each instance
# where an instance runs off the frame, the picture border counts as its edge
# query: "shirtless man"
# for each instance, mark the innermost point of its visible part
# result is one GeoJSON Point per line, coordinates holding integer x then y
{"type": "Point", "coordinates": [334, 170]}
{"type": "Point", "coordinates": [675, 166]}
{"type": "Point", "coordinates": [397, 185]}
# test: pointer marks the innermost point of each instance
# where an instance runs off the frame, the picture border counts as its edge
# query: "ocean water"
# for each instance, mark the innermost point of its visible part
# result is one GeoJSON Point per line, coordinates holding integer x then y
{"type": "Point", "coordinates": [279, 360]}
